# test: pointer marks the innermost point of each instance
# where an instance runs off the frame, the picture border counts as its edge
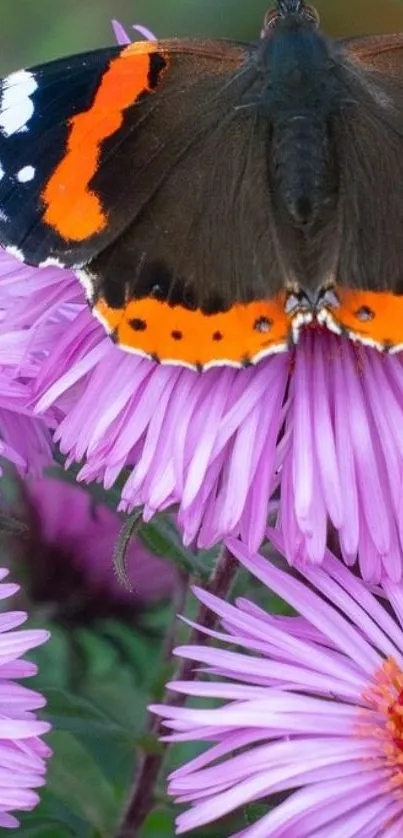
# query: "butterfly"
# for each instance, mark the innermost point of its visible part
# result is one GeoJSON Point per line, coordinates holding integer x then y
{"type": "Point", "coordinates": [214, 197]}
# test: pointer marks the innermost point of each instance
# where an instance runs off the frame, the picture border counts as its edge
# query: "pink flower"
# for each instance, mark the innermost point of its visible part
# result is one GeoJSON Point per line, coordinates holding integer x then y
{"type": "Point", "coordinates": [123, 38]}
{"type": "Point", "coordinates": [69, 555]}
{"type": "Point", "coordinates": [25, 440]}
{"type": "Point", "coordinates": [23, 754]}
{"type": "Point", "coordinates": [319, 427]}
{"type": "Point", "coordinates": [321, 423]}
{"type": "Point", "coordinates": [311, 709]}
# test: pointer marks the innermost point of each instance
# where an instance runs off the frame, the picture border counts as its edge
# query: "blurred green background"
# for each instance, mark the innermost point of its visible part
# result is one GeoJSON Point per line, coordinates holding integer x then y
{"type": "Point", "coordinates": [37, 30]}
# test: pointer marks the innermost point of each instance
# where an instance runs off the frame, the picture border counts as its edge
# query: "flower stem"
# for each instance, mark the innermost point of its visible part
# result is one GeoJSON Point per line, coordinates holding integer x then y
{"type": "Point", "coordinates": [141, 799]}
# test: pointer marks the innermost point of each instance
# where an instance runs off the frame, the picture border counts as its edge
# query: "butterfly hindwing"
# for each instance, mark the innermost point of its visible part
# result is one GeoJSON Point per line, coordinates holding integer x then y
{"type": "Point", "coordinates": [368, 132]}
{"type": "Point", "coordinates": [369, 142]}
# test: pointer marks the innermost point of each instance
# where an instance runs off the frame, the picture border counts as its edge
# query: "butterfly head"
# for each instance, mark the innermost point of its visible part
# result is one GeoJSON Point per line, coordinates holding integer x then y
{"type": "Point", "coordinates": [289, 11]}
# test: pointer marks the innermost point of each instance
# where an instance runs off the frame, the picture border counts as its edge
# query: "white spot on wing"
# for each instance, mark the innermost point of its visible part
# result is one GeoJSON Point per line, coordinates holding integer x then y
{"type": "Point", "coordinates": [2, 172]}
{"type": "Point", "coordinates": [26, 174]}
{"type": "Point", "coordinates": [16, 106]}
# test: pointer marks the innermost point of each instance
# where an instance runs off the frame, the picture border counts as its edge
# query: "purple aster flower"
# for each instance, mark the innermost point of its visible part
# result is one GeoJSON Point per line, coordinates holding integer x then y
{"type": "Point", "coordinates": [25, 440]}
{"type": "Point", "coordinates": [319, 427]}
{"type": "Point", "coordinates": [68, 555]}
{"type": "Point", "coordinates": [123, 38]}
{"type": "Point", "coordinates": [311, 708]}
{"type": "Point", "coordinates": [23, 754]}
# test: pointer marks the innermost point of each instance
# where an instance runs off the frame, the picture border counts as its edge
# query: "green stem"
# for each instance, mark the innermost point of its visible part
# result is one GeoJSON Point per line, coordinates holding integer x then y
{"type": "Point", "coordinates": [142, 796]}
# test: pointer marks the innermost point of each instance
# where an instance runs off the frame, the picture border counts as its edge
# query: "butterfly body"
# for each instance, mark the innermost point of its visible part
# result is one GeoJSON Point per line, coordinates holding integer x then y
{"type": "Point", "coordinates": [215, 197]}
{"type": "Point", "coordinates": [300, 96]}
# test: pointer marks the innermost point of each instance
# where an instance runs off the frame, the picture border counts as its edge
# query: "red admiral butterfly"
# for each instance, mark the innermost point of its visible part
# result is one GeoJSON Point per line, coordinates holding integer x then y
{"type": "Point", "coordinates": [213, 196]}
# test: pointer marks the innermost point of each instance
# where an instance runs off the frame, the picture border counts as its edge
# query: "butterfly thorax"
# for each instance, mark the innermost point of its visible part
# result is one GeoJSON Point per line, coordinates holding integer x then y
{"type": "Point", "coordinates": [299, 98]}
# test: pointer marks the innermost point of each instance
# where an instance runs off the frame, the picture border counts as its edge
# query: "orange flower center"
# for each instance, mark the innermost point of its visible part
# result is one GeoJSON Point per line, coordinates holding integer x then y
{"type": "Point", "coordinates": [395, 723]}
{"type": "Point", "coordinates": [385, 696]}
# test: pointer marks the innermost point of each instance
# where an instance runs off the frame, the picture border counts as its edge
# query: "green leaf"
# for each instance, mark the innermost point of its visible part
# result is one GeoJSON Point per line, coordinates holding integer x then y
{"type": "Point", "coordinates": [48, 830]}
{"type": "Point", "coordinates": [158, 823]}
{"type": "Point", "coordinates": [163, 539]}
{"type": "Point", "coordinates": [12, 526]}
{"type": "Point", "coordinates": [97, 651]}
{"type": "Point", "coordinates": [77, 780]}
{"type": "Point", "coordinates": [54, 658]}
{"type": "Point", "coordinates": [137, 650]}
{"type": "Point", "coordinates": [53, 819]}
{"type": "Point", "coordinates": [123, 703]}
{"type": "Point", "coordinates": [42, 830]}
{"type": "Point", "coordinates": [75, 714]}
{"type": "Point", "coordinates": [254, 811]}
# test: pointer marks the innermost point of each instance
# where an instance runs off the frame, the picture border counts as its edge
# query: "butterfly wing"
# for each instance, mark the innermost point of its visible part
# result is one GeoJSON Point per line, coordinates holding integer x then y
{"type": "Point", "coordinates": [383, 53]}
{"type": "Point", "coordinates": [147, 172]}
{"type": "Point", "coordinates": [38, 110]}
{"type": "Point", "coordinates": [369, 142]}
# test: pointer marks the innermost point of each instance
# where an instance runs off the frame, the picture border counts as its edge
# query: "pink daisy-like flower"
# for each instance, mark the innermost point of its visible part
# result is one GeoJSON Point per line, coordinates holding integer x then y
{"type": "Point", "coordinates": [321, 425]}
{"type": "Point", "coordinates": [312, 709]}
{"type": "Point", "coordinates": [318, 427]}
{"type": "Point", "coordinates": [68, 554]}
{"type": "Point", "coordinates": [24, 439]}
{"type": "Point", "coordinates": [23, 754]}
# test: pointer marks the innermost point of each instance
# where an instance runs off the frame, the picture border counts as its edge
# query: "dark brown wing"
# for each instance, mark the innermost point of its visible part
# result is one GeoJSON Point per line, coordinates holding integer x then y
{"type": "Point", "coordinates": [142, 162]}
{"type": "Point", "coordinates": [145, 169]}
{"type": "Point", "coordinates": [190, 181]}
{"type": "Point", "coordinates": [369, 144]}
{"type": "Point", "coordinates": [378, 52]}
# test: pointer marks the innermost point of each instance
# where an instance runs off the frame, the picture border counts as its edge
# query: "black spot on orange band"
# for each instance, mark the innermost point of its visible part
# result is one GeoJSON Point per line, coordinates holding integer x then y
{"type": "Point", "coordinates": [137, 324]}
{"type": "Point", "coordinates": [364, 314]}
{"type": "Point", "coordinates": [174, 333]}
{"type": "Point", "coordinates": [373, 317]}
{"type": "Point", "coordinates": [263, 324]}
{"type": "Point", "coordinates": [246, 332]}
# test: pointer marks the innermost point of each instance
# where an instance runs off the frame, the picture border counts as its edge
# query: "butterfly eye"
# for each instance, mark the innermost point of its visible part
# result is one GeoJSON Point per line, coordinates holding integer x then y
{"type": "Point", "coordinates": [312, 15]}
{"type": "Point", "coordinates": [270, 21]}
{"type": "Point", "coordinates": [290, 7]}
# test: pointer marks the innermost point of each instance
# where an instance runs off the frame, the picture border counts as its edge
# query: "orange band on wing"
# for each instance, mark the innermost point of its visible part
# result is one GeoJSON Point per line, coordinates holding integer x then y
{"type": "Point", "coordinates": [243, 334]}
{"type": "Point", "coordinates": [374, 317]}
{"type": "Point", "coordinates": [72, 208]}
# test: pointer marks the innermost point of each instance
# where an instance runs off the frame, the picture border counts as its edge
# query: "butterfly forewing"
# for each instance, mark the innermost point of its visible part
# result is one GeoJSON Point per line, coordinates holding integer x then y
{"type": "Point", "coordinates": [36, 109]}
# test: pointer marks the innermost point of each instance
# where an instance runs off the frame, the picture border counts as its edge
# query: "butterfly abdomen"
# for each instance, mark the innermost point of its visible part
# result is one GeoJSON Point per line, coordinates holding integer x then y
{"type": "Point", "coordinates": [299, 101]}
{"type": "Point", "coordinates": [301, 164]}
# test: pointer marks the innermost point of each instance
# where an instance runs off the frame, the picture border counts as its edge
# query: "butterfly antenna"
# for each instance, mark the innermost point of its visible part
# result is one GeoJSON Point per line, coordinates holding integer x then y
{"type": "Point", "coordinates": [289, 7]}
